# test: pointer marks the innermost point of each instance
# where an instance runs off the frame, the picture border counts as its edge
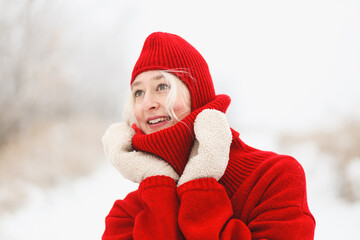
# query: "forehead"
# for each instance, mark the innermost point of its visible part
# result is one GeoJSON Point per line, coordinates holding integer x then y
{"type": "Point", "coordinates": [147, 77]}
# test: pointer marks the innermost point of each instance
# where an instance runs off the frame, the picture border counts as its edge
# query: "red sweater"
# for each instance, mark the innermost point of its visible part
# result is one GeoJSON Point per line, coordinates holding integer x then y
{"type": "Point", "coordinates": [262, 195]}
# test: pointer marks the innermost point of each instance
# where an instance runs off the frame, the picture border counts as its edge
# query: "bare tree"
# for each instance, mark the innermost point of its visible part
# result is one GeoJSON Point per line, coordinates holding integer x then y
{"type": "Point", "coordinates": [343, 144]}
{"type": "Point", "coordinates": [28, 65]}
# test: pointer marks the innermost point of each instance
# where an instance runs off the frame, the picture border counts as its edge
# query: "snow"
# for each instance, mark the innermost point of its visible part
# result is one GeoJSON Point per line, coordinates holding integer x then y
{"type": "Point", "coordinates": [76, 210]}
{"type": "Point", "coordinates": [72, 211]}
{"type": "Point", "coordinates": [335, 218]}
{"type": "Point", "coordinates": [286, 65]}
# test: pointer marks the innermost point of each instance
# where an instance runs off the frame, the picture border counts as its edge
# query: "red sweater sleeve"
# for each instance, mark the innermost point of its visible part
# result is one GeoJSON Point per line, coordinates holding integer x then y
{"type": "Point", "coordinates": [149, 213]}
{"type": "Point", "coordinates": [271, 204]}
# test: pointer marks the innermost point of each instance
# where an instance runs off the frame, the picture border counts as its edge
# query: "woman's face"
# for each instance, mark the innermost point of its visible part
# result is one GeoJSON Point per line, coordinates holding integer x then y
{"type": "Point", "coordinates": [150, 90]}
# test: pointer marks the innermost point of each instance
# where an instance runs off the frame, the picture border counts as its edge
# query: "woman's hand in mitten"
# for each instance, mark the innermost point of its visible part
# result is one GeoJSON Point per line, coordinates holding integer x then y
{"type": "Point", "coordinates": [210, 154]}
{"type": "Point", "coordinates": [133, 165]}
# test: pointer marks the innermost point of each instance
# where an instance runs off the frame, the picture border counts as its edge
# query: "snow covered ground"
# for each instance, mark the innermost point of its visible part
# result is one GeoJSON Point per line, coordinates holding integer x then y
{"type": "Point", "coordinates": [335, 218]}
{"type": "Point", "coordinates": [72, 211]}
{"type": "Point", "coordinates": [77, 210]}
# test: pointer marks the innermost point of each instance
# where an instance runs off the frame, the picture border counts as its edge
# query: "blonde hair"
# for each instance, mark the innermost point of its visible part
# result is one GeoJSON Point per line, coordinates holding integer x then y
{"type": "Point", "coordinates": [177, 89]}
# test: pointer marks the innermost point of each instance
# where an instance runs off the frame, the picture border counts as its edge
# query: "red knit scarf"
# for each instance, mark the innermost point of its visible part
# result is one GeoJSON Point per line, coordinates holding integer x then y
{"type": "Point", "coordinates": [174, 144]}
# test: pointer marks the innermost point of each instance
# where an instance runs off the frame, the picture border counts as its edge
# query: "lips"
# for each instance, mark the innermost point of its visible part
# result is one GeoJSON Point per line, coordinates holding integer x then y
{"type": "Point", "coordinates": [156, 120]}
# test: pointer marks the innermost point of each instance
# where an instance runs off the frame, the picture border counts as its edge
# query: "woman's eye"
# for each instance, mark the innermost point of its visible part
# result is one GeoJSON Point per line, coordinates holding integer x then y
{"type": "Point", "coordinates": [138, 93]}
{"type": "Point", "coordinates": [163, 86]}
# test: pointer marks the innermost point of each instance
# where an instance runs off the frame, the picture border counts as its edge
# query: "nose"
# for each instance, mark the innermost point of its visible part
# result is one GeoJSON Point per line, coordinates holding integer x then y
{"type": "Point", "coordinates": [150, 102]}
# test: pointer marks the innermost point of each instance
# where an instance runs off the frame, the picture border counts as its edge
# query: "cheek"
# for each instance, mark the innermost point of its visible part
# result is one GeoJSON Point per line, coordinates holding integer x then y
{"type": "Point", "coordinates": [138, 114]}
{"type": "Point", "coordinates": [162, 99]}
{"type": "Point", "coordinates": [181, 110]}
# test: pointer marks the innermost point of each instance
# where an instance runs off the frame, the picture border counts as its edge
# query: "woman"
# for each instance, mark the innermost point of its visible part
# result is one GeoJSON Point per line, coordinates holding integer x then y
{"type": "Point", "coordinates": [198, 180]}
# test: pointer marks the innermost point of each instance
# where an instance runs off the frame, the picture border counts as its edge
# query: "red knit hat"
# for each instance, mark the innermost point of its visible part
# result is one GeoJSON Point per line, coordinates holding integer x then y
{"type": "Point", "coordinates": [166, 51]}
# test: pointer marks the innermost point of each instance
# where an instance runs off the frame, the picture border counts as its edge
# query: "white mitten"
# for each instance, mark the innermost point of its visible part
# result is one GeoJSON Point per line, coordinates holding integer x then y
{"type": "Point", "coordinates": [210, 154]}
{"type": "Point", "coordinates": [133, 165]}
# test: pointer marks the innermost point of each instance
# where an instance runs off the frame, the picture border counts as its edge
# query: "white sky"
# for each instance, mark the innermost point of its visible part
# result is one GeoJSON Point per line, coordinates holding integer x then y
{"type": "Point", "coordinates": [285, 64]}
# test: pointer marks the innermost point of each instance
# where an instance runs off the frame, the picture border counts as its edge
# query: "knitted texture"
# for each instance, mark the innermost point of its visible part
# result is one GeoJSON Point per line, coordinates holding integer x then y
{"type": "Point", "coordinates": [165, 51]}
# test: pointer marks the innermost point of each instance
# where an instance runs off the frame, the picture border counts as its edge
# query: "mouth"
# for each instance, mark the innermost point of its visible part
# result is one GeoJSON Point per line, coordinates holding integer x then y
{"type": "Point", "coordinates": [158, 120]}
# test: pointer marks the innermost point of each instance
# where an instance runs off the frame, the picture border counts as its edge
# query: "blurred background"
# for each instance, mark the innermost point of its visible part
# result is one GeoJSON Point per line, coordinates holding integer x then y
{"type": "Point", "coordinates": [292, 69]}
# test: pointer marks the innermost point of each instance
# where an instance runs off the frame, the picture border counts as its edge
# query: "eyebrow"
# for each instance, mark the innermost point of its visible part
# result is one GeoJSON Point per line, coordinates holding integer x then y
{"type": "Point", "coordinates": [156, 77]}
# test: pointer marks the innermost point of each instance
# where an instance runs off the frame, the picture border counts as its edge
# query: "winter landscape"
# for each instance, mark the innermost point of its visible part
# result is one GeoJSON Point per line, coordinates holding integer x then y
{"type": "Point", "coordinates": [291, 68]}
